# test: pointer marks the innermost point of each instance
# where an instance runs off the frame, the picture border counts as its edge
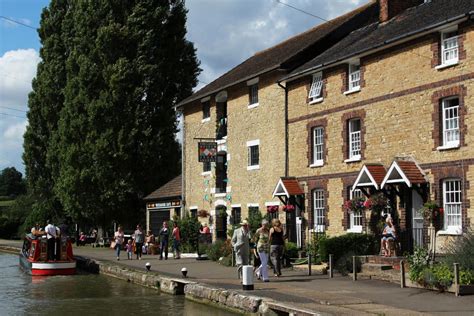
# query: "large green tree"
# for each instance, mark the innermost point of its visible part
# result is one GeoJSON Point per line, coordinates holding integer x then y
{"type": "Point", "coordinates": [45, 104]}
{"type": "Point", "coordinates": [11, 182]}
{"type": "Point", "coordinates": [127, 64]}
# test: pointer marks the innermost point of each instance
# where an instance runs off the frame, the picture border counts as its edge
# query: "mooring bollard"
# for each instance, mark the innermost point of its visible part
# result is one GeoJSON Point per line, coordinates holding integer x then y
{"type": "Point", "coordinates": [309, 264]}
{"type": "Point", "coordinates": [402, 274]}
{"type": "Point", "coordinates": [331, 274]}
{"type": "Point", "coordinates": [247, 278]}
{"type": "Point", "coordinates": [354, 268]}
{"type": "Point", "coordinates": [456, 279]}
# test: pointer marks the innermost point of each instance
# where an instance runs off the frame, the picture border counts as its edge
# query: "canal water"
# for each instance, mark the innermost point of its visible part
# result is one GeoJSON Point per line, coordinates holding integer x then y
{"type": "Point", "coordinates": [86, 294]}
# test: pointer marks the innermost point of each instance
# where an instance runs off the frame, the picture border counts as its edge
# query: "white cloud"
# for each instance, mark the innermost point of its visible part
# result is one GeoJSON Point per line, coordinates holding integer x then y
{"type": "Point", "coordinates": [17, 69]}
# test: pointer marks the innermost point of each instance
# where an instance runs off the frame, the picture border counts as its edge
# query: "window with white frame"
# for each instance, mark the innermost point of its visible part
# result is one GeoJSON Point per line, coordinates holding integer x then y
{"type": "Point", "coordinates": [318, 146]}
{"type": "Point", "coordinates": [354, 139]}
{"type": "Point", "coordinates": [449, 47]}
{"type": "Point", "coordinates": [450, 117]}
{"type": "Point", "coordinates": [452, 204]}
{"type": "Point", "coordinates": [315, 92]}
{"type": "Point", "coordinates": [253, 154]}
{"type": "Point", "coordinates": [206, 110]}
{"type": "Point", "coordinates": [253, 94]}
{"type": "Point", "coordinates": [355, 220]}
{"type": "Point", "coordinates": [319, 210]}
{"type": "Point", "coordinates": [354, 77]}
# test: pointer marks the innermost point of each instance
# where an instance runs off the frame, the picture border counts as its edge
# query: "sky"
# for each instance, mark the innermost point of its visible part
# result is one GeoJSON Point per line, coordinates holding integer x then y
{"type": "Point", "coordinates": [225, 33]}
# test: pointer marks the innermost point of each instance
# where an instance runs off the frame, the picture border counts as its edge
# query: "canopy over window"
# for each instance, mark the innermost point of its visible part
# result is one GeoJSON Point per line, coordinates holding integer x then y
{"type": "Point", "coordinates": [287, 187]}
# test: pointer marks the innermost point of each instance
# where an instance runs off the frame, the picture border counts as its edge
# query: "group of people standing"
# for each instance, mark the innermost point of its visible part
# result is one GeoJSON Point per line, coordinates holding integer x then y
{"type": "Point", "coordinates": [141, 243]}
{"type": "Point", "coordinates": [269, 243]}
{"type": "Point", "coordinates": [54, 235]}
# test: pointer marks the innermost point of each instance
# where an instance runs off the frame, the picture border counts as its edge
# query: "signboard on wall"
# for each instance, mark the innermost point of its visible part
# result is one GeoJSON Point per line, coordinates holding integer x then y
{"type": "Point", "coordinates": [207, 151]}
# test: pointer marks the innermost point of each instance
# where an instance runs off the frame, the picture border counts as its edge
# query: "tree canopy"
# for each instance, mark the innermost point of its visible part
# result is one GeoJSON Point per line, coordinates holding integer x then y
{"type": "Point", "coordinates": [102, 120]}
{"type": "Point", "coordinates": [11, 183]}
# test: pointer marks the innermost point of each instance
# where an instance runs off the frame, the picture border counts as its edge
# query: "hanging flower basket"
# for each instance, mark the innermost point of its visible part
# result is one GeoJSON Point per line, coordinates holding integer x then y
{"type": "Point", "coordinates": [289, 208]}
{"type": "Point", "coordinates": [431, 211]}
{"type": "Point", "coordinates": [356, 205]}
{"type": "Point", "coordinates": [203, 213]}
{"type": "Point", "coordinates": [272, 209]}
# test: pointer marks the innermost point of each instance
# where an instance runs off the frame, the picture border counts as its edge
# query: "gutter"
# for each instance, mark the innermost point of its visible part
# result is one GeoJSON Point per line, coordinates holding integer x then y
{"type": "Point", "coordinates": [286, 128]}
{"type": "Point", "coordinates": [386, 44]}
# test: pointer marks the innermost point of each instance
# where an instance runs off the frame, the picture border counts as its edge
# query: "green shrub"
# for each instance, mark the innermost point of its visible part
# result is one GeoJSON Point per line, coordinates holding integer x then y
{"type": "Point", "coordinates": [418, 262]}
{"type": "Point", "coordinates": [358, 244]}
{"type": "Point", "coordinates": [312, 247]}
{"type": "Point", "coordinates": [218, 249]}
{"type": "Point", "coordinates": [189, 229]}
{"type": "Point", "coordinates": [438, 276]}
{"type": "Point", "coordinates": [461, 251]}
{"type": "Point", "coordinates": [466, 277]}
{"type": "Point", "coordinates": [291, 250]}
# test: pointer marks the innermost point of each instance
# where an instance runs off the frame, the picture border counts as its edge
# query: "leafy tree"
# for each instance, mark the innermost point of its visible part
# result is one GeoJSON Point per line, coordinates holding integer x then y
{"type": "Point", "coordinates": [128, 64]}
{"type": "Point", "coordinates": [11, 182]}
{"type": "Point", "coordinates": [45, 104]}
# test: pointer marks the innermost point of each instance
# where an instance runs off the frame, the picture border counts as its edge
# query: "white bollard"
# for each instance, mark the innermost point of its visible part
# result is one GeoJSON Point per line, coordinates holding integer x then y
{"type": "Point", "coordinates": [247, 278]}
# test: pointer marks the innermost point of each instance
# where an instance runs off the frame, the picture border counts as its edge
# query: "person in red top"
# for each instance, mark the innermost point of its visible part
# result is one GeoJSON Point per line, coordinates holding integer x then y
{"type": "Point", "coordinates": [176, 241]}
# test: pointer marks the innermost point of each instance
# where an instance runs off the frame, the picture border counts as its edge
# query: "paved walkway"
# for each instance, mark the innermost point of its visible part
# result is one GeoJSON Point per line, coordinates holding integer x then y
{"type": "Point", "coordinates": [337, 296]}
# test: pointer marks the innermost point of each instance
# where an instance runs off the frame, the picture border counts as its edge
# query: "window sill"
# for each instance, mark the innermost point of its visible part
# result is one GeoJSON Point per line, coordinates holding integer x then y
{"type": "Point", "coordinates": [218, 195]}
{"type": "Point", "coordinates": [357, 230]}
{"type": "Point", "coordinates": [352, 91]}
{"type": "Point", "coordinates": [221, 141]}
{"type": "Point", "coordinates": [255, 167]}
{"type": "Point", "coordinates": [448, 147]}
{"type": "Point", "coordinates": [206, 173]}
{"type": "Point", "coordinates": [353, 159]}
{"type": "Point", "coordinates": [450, 232]}
{"type": "Point", "coordinates": [319, 163]}
{"type": "Point", "coordinates": [251, 106]}
{"type": "Point", "coordinates": [447, 65]}
{"type": "Point", "coordinates": [207, 119]}
{"type": "Point", "coordinates": [317, 100]}
{"type": "Point", "coordinates": [318, 229]}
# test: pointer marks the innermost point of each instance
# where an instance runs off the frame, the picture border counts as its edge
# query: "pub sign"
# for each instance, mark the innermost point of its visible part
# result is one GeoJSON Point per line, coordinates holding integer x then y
{"type": "Point", "coordinates": [207, 151]}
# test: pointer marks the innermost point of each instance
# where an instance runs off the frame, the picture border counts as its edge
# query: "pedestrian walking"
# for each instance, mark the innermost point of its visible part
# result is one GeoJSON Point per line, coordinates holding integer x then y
{"type": "Point", "coordinates": [276, 246]}
{"type": "Point", "coordinates": [176, 241]}
{"type": "Point", "coordinates": [129, 248]}
{"type": "Point", "coordinates": [139, 238]}
{"type": "Point", "coordinates": [164, 240]}
{"type": "Point", "coordinates": [262, 238]}
{"type": "Point", "coordinates": [241, 245]}
{"type": "Point", "coordinates": [118, 238]}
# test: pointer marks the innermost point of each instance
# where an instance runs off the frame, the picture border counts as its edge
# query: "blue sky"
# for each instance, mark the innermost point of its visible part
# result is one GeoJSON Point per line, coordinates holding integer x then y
{"type": "Point", "coordinates": [225, 33]}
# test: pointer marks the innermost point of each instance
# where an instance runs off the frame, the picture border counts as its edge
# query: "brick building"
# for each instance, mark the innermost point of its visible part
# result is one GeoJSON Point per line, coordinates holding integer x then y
{"type": "Point", "coordinates": [388, 109]}
{"type": "Point", "coordinates": [243, 111]}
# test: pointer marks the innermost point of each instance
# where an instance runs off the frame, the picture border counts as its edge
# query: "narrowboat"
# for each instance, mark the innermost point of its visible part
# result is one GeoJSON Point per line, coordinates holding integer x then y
{"type": "Point", "coordinates": [34, 257]}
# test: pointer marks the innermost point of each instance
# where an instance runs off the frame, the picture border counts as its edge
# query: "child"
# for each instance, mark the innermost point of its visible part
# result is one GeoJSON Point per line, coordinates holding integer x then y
{"type": "Point", "coordinates": [129, 248]}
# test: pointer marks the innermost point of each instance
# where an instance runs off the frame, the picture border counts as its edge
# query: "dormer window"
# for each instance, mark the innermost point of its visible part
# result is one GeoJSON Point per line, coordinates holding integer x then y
{"type": "Point", "coordinates": [253, 93]}
{"type": "Point", "coordinates": [315, 92]}
{"type": "Point", "coordinates": [449, 47]}
{"type": "Point", "coordinates": [354, 77]}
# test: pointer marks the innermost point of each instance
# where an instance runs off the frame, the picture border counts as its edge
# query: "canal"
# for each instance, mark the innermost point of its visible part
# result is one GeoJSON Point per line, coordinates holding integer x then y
{"type": "Point", "coordinates": [86, 294]}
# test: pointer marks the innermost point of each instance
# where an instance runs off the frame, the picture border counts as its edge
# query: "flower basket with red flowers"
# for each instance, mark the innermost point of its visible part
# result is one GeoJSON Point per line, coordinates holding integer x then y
{"type": "Point", "coordinates": [289, 208]}
{"type": "Point", "coordinates": [356, 205]}
{"type": "Point", "coordinates": [431, 211]}
{"type": "Point", "coordinates": [272, 209]}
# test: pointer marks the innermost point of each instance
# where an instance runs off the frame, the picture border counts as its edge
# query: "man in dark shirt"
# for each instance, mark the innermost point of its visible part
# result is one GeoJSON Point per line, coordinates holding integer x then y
{"type": "Point", "coordinates": [164, 239]}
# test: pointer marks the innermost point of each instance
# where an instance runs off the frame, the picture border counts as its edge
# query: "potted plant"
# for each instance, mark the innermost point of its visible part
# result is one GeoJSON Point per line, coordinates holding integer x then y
{"type": "Point", "coordinates": [289, 208]}
{"type": "Point", "coordinates": [431, 211]}
{"type": "Point", "coordinates": [272, 209]}
{"type": "Point", "coordinates": [203, 213]}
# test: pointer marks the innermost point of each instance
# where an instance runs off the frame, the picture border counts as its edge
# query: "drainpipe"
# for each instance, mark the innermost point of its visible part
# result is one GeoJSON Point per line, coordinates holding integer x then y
{"type": "Point", "coordinates": [183, 165]}
{"type": "Point", "coordinates": [286, 127]}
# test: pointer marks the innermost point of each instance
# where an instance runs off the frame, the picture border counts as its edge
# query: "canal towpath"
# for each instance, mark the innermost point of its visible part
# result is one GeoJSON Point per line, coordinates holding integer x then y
{"type": "Point", "coordinates": [318, 293]}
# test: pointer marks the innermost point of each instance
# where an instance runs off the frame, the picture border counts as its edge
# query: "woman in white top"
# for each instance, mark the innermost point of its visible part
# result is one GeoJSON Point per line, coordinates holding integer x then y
{"type": "Point", "coordinates": [119, 237]}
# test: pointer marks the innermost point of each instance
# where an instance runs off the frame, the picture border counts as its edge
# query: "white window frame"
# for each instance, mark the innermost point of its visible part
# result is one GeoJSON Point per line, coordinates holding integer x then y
{"type": "Point", "coordinates": [319, 210]}
{"type": "Point", "coordinates": [353, 78]}
{"type": "Point", "coordinates": [251, 144]}
{"type": "Point", "coordinates": [449, 46]}
{"type": "Point", "coordinates": [316, 90]}
{"type": "Point", "coordinates": [355, 220]}
{"type": "Point", "coordinates": [318, 146]}
{"type": "Point", "coordinates": [354, 140]}
{"type": "Point", "coordinates": [251, 84]}
{"type": "Point", "coordinates": [452, 205]}
{"type": "Point", "coordinates": [450, 125]}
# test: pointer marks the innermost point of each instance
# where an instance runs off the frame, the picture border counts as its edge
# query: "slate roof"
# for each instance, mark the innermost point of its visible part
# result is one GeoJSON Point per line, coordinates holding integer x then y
{"type": "Point", "coordinates": [286, 51]}
{"type": "Point", "coordinates": [169, 190]}
{"type": "Point", "coordinates": [410, 22]}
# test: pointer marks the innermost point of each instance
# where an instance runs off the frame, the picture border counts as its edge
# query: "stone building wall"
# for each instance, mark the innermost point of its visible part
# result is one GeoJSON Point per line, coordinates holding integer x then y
{"type": "Point", "coordinates": [397, 103]}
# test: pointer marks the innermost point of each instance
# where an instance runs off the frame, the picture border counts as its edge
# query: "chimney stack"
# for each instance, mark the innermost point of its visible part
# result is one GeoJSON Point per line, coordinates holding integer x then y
{"type": "Point", "coordinates": [390, 8]}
